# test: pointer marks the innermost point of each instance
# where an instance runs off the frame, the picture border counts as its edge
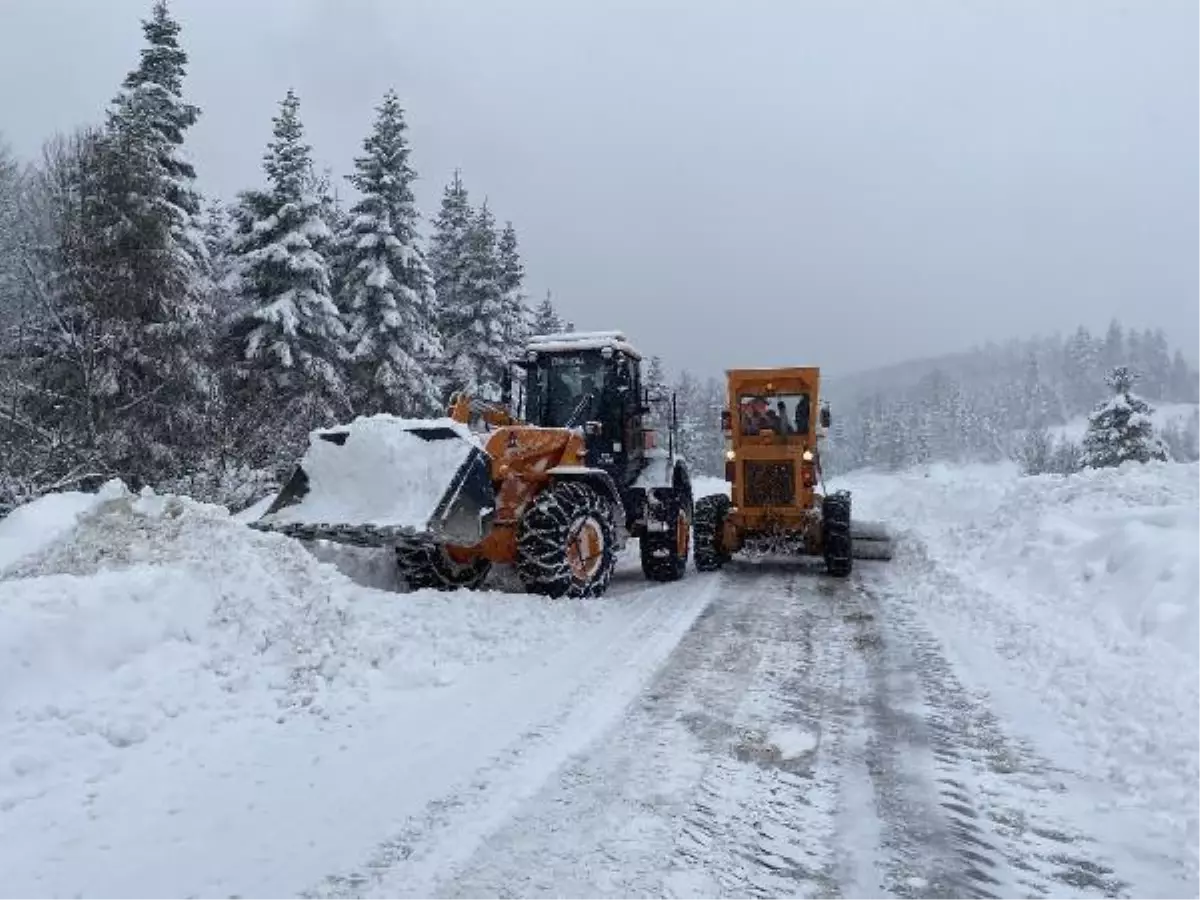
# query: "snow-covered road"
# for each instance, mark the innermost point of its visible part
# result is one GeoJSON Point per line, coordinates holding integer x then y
{"type": "Point", "coordinates": [188, 707]}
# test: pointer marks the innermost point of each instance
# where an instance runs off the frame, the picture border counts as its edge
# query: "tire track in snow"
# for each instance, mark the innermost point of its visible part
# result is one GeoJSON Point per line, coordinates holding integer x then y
{"type": "Point", "coordinates": [761, 821]}
{"type": "Point", "coordinates": [994, 833]}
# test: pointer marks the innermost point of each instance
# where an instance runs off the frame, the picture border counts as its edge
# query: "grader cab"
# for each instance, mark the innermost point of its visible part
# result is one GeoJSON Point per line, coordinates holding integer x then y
{"type": "Point", "coordinates": [773, 426]}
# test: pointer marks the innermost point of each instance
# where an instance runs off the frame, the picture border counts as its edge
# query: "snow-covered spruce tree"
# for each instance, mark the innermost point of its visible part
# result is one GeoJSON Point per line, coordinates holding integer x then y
{"type": "Point", "coordinates": [387, 293]}
{"type": "Point", "coordinates": [545, 317]}
{"type": "Point", "coordinates": [472, 311]}
{"type": "Point", "coordinates": [1120, 429]}
{"type": "Point", "coordinates": [218, 229]}
{"type": "Point", "coordinates": [518, 319]}
{"type": "Point", "coordinates": [660, 395]}
{"type": "Point", "coordinates": [447, 261]}
{"type": "Point", "coordinates": [285, 350]}
{"type": "Point", "coordinates": [151, 280]}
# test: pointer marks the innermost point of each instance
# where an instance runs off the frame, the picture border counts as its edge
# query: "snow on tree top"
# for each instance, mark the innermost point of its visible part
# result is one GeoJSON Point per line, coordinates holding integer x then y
{"type": "Point", "coordinates": [581, 340]}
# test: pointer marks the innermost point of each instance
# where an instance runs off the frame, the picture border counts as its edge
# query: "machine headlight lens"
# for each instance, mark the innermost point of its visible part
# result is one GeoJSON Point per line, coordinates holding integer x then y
{"type": "Point", "coordinates": [730, 455]}
{"type": "Point", "coordinates": [807, 456]}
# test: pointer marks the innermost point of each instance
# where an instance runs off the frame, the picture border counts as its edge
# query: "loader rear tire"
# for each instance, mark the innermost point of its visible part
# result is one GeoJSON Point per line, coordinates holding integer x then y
{"type": "Point", "coordinates": [665, 553]}
{"type": "Point", "coordinates": [429, 566]}
{"type": "Point", "coordinates": [708, 525]}
{"type": "Point", "coordinates": [835, 537]}
{"type": "Point", "coordinates": [566, 542]}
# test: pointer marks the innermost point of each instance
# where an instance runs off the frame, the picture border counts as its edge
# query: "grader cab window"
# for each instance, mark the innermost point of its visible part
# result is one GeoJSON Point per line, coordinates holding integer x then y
{"type": "Point", "coordinates": [781, 414]}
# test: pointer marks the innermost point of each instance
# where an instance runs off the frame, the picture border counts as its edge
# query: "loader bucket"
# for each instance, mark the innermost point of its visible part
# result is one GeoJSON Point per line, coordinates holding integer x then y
{"type": "Point", "coordinates": [383, 480]}
{"type": "Point", "coordinates": [871, 540]}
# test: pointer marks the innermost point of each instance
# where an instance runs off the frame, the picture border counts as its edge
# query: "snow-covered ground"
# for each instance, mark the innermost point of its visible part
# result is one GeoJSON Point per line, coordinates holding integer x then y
{"type": "Point", "coordinates": [1073, 602]}
{"type": "Point", "coordinates": [188, 706]}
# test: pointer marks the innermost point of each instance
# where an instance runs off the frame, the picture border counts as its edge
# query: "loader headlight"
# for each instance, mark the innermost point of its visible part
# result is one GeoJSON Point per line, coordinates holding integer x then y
{"type": "Point", "coordinates": [730, 455]}
{"type": "Point", "coordinates": [807, 456]}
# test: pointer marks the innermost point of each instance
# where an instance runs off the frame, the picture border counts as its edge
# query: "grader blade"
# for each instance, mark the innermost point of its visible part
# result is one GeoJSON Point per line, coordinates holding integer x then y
{"type": "Point", "coordinates": [871, 540]}
{"type": "Point", "coordinates": [383, 480]}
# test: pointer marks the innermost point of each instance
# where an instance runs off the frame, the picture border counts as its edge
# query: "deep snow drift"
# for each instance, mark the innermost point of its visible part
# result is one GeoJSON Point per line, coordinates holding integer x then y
{"type": "Point", "coordinates": [1074, 602]}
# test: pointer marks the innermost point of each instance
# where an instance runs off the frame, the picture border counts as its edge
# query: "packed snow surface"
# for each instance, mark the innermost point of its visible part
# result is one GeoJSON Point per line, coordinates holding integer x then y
{"type": "Point", "coordinates": [1074, 601]}
{"type": "Point", "coordinates": [383, 474]}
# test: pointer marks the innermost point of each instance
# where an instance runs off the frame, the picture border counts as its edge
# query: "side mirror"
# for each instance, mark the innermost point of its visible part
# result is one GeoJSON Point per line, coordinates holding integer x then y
{"type": "Point", "coordinates": [824, 416]}
{"type": "Point", "coordinates": [726, 420]}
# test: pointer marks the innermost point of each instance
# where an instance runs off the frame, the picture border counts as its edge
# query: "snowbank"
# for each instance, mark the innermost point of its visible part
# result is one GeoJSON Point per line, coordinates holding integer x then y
{"type": "Point", "coordinates": [35, 525]}
{"type": "Point", "coordinates": [1115, 547]}
{"type": "Point", "coordinates": [1075, 600]}
{"type": "Point", "coordinates": [151, 634]}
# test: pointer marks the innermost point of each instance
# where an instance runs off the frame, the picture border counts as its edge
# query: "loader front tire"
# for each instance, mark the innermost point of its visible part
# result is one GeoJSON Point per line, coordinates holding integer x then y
{"type": "Point", "coordinates": [566, 542]}
{"type": "Point", "coordinates": [835, 537]}
{"type": "Point", "coordinates": [430, 566]}
{"type": "Point", "coordinates": [665, 553]}
{"type": "Point", "coordinates": [708, 523]}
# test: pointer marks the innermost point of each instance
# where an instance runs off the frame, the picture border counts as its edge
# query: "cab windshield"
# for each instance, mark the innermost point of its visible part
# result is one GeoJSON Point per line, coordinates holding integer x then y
{"type": "Point", "coordinates": [785, 414]}
{"type": "Point", "coordinates": [559, 383]}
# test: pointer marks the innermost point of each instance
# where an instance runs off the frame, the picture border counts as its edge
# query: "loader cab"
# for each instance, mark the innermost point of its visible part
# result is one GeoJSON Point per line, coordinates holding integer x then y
{"type": "Point", "coordinates": [590, 381]}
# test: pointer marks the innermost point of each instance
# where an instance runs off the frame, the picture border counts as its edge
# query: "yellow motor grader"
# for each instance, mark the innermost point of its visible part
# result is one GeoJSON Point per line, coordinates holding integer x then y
{"type": "Point", "coordinates": [777, 503]}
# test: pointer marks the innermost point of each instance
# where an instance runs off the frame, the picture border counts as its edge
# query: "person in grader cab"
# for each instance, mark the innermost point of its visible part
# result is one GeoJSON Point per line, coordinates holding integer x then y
{"type": "Point", "coordinates": [759, 417]}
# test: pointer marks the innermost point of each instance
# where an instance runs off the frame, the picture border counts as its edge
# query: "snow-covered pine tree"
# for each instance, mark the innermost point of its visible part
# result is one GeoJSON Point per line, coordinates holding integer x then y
{"type": "Point", "coordinates": [286, 349]}
{"type": "Point", "coordinates": [1185, 384]}
{"type": "Point", "coordinates": [518, 318]}
{"type": "Point", "coordinates": [387, 289]}
{"type": "Point", "coordinates": [447, 262]}
{"type": "Point", "coordinates": [217, 226]}
{"type": "Point", "coordinates": [11, 237]}
{"type": "Point", "coordinates": [473, 315]}
{"type": "Point", "coordinates": [1121, 429]}
{"type": "Point", "coordinates": [1156, 364]}
{"type": "Point", "coordinates": [1081, 371]}
{"type": "Point", "coordinates": [153, 291]}
{"type": "Point", "coordinates": [659, 391]}
{"type": "Point", "coordinates": [545, 317]}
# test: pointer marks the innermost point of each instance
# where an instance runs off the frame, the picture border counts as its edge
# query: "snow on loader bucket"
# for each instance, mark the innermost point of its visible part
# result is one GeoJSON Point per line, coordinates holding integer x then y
{"type": "Point", "coordinates": [383, 481]}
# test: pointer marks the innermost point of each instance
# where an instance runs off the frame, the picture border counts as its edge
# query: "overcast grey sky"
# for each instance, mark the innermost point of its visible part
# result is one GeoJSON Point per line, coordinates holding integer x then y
{"type": "Point", "coordinates": [733, 183]}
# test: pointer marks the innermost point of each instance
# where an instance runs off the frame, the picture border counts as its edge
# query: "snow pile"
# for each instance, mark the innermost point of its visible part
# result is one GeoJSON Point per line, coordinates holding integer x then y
{"type": "Point", "coordinates": [1075, 600]}
{"type": "Point", "coordinates": [383, 474]}
{"type": "Point", "coordinates": [136, 614]}
{"type": "Point", "coordinates": [1115, 547]}
{"type": "Point", "coordinates": [35, 525]}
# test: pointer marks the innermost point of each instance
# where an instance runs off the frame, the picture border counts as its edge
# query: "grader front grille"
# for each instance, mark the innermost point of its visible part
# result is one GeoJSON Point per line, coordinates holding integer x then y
{"type": "Point", "coordinates": [769, 483]}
